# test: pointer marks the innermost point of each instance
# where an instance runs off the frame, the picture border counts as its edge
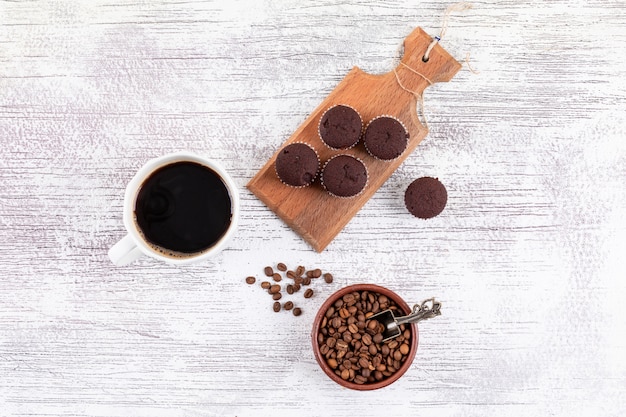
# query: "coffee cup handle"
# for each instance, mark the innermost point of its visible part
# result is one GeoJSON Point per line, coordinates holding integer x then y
{"type": "Point", "coordinates": [125, 251]}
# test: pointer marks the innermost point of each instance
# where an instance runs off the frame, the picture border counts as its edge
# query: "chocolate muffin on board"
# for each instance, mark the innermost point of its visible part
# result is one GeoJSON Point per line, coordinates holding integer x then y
{"type": "Point", "coordinates": [340, 127]}
{"type": "Point", "coordinates": [425, 197]}
{"type": "Point", "coordinates": [344, 176]}
{"type": "Point", "coordinates": [385, 138]}
{"type": "Point", "coordinates": [297, 165]}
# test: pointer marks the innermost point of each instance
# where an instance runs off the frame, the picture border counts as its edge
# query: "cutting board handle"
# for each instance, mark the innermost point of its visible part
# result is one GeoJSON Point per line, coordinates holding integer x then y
{"type": "Point", "coordinates": [414, 73]}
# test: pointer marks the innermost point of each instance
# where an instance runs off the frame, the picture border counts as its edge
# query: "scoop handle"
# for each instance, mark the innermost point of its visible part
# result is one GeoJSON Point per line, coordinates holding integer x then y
{"type": "Point", "coordinates": [426, 310]}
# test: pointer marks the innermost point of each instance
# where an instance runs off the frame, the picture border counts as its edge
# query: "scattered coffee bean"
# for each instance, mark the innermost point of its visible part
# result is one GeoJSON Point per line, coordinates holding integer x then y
{"type": "Point", "coordinates": [276, 306]}
{"type": "Point", "coordinates": [274, 289]}
{"type": "Point", "coordinates": [353, 346]}
{"type": "Point", "coordinates": [301, 277]}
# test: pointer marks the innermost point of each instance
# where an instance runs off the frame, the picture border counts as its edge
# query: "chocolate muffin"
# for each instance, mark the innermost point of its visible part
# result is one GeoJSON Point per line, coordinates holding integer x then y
{"type": "Point", "coordinates": [425, 197]}
{"type": "Point", "coordinates": [340, 127]}
{"type": "Point", "coordinates": [385, 138]}
{"type": "Point", "coordinates": [297, 164]}
{"type": "Point", "coordinates": [344, 176]}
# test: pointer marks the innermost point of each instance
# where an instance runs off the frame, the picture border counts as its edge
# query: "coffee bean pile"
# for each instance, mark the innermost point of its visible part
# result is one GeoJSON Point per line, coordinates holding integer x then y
{"type": "Point", "coordinates": [299, 277]}
{"type": "Point", "coordinates": [353, 346]}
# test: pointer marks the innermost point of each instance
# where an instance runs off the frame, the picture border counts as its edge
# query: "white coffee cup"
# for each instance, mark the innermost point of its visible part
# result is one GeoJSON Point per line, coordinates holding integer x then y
{"type": "Point", "coordinates": [134, 244]}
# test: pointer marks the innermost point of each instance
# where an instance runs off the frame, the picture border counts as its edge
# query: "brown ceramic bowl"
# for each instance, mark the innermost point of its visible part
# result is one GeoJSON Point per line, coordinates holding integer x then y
{"type": "Point", "coordinates": [402, 305]}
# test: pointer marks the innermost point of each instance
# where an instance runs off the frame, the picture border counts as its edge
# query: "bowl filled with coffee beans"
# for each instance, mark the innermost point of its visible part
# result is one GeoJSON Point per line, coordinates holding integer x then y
{"type": "Point", "coordinates": [351, 347]}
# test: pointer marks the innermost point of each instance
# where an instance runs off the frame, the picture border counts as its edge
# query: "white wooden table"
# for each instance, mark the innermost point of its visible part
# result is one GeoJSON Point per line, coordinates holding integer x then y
{"type": "Point", "coordinates": [527, 258]}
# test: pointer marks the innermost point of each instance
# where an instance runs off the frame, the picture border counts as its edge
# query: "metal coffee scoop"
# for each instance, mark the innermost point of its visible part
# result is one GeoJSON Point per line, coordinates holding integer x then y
{"type": "Point", "coordinates": [428, 309]}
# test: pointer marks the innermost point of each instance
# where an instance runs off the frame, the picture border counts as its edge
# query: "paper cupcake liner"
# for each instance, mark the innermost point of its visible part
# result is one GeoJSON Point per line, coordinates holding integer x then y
{"type": "Point", "coordinates": [390, 117]}
{"type": "Point", "coordinates": [367, 177]}
{"type": "Point", "coordinates": [319, 124]}
{"type": "Point", "coordinates": [317, 172]}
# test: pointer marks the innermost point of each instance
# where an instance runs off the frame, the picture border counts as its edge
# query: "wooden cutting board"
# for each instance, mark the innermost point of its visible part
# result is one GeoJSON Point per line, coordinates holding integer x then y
{"type": "Point", "coordinates": [311, 212]}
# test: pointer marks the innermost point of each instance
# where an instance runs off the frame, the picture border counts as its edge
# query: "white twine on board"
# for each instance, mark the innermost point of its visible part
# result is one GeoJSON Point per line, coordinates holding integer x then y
{"type": "Point", "coordinates": [418, 96]}
{"type": "Point", "coordinates": [456, 7]}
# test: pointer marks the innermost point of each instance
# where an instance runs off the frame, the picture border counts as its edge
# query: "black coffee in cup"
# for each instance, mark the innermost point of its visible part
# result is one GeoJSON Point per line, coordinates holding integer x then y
{"type": "Point", "coordinates": [183, 209]}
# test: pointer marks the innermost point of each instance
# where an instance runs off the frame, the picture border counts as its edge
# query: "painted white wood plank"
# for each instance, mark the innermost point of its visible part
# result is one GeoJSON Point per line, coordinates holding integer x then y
{"type": "Point", "coordinates": [527, 257]}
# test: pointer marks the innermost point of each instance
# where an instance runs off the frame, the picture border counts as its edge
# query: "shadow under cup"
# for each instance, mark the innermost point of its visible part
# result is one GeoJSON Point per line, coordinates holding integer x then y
{"type": "Point", "coordinates": [183, 209]}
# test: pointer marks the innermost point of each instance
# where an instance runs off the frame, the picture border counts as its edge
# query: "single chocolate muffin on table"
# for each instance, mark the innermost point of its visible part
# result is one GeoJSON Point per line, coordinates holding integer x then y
{"type": "Point", "coordinates": [425, 197]}
{"type": "Point", "coordinates": [297, 164]}
{"type": "Point", "coordinates": [344, 176]}
{"type": "Point", "coordinates": [340, 127]}
{"type": "Point", "coordinates": [385, 138]}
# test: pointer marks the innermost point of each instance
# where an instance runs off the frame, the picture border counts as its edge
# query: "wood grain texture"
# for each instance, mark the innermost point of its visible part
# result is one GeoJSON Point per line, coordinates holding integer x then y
{"type": "Point", "coordinates": [314, 214]}
{"type": "Point", "coordinates": [527, 257]}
